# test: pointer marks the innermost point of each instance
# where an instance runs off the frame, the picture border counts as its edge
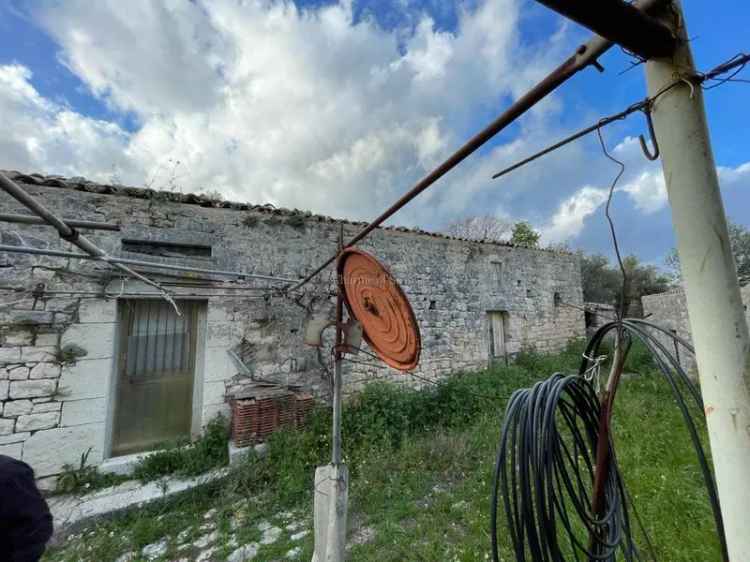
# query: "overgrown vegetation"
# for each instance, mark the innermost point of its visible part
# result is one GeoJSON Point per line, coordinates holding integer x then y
{"type": "Point", "coordinates": [179, 458]}
{"type": "Point", "coordinates": [421, 465]}
{"type": "Point", "coordinates": [84, 477]}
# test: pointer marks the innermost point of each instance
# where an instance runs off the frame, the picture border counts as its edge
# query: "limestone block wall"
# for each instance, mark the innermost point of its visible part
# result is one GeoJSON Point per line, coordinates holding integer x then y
{"type": "Point", "coordinates": [56, 404]}
{"type": "Point", "coordinates": [670, 311]}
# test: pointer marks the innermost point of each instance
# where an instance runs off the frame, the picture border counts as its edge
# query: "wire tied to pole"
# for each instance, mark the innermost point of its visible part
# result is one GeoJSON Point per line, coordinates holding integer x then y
{"type": "Point", "coordinates": [593, 372]}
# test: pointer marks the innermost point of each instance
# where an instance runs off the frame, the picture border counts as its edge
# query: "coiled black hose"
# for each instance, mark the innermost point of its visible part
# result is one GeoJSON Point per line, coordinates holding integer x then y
{"type": "Point", "coordinates": [545, 467]}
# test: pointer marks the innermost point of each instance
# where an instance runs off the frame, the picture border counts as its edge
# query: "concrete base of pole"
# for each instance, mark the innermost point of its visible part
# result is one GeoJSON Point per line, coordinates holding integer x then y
{"type": "Point", "coordinates": [331, 495]}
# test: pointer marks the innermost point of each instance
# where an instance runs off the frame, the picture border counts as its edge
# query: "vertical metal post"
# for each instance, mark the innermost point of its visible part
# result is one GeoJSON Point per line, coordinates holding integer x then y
{"type": "Point", "coordinates": [336, 401]}
{"type": "Point", "coordinates": [332, 481]}
{"type": "Point", "coordinates": [717, 321]}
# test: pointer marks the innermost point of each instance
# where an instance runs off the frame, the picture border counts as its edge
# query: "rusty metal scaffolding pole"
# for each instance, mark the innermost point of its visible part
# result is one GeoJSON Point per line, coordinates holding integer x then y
{"type": "Point", "coordinates": [70, 234]}
{"type": "Point", "coordinates": [29, 219]}
{"type": "Point", "coordinates": [621, 23]}
{"type": "Point", "coordinates": [587, 54]}
{"type": "Point", "coordinates": [139, 263]}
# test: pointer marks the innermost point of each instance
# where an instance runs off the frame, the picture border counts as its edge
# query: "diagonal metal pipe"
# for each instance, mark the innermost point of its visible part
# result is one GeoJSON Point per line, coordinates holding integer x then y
{"type": "Point", "coordinates": [127, 261]}
{"type": "Point", "coordinates": [29, 219]}
{"type": "Point", "coordinates": [71, 235]}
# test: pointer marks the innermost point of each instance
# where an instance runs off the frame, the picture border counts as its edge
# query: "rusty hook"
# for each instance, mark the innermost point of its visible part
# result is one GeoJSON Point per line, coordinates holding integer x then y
{"type": "Point", "coordinates": [647, 153]}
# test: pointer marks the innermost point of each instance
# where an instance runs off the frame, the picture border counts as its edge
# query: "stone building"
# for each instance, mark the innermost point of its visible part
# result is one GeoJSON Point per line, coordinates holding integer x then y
{"type": "Point", "coordinates": [669, 310]}
{"type": "Point", "coordinates": [91, 361]}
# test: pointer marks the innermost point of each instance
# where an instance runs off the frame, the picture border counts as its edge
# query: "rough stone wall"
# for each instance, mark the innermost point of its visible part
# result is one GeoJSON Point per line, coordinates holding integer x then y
{"type": "Point", "coordinates": [597, 315]}
{"type": "Point", "coordinates": [56, 404]}
{"type": "Point", "coordinates": [669, 310]}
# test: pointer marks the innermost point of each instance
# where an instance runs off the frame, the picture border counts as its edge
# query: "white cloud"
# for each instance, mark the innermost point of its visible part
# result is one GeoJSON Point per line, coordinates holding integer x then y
{"type": "Point", "coordinates": [568, 221]}
{"type": "Point", "coordinates": [40, 135]}
{"type": "Point", "coordinates": [267, 102]}
{"type": "Point", "coordinates": [647, 191]}
{"type": "Point", "coordinates": [732, 177]}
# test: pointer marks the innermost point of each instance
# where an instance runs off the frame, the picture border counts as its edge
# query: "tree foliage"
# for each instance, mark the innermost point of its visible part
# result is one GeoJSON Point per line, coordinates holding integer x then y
{"type": "Point", "coordinates": [484, 227]}
{"type": "Point", "coordinates": [524, 235]}
{"type": "Point", "coordinates": [603, 282]}
{"type": "Point", "coordinates": [739, 239]}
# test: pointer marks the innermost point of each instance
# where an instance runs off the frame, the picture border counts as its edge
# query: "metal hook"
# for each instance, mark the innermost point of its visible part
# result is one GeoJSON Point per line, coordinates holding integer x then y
{"type": "Point", "coordinates": [647, 153]}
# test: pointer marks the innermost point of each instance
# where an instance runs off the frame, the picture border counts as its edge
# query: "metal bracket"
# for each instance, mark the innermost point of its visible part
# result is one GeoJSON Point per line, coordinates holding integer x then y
{"type": "Point", "coordinates": [646, 152]}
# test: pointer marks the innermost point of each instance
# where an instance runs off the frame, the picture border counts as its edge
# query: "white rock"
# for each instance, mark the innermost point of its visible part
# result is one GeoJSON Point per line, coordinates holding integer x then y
{"type": "Point", "coordinates": [33, 422]}
{"type": "Point", "coordinates": [18, 374]}
{"type": "Point", "coordinates": [210, 514]}
{"type": "Point", "coordinates": [45, 371]}
{"type": "Point", "coordinates": [205, 555]}
{"type": "Point", "coordinates": [155, 550]}
{"type": "Point", "coordinates": [38, 353]}
{"type": "Point", "coordinates": [6, 426]}
{"type": "Point", "coordinates": [294, 553]}
{"type": "Point", "coordinates": [298, 536]}
{"type": "Point", "coordinates": [270, 536]}
{"type": "Point", "coordinates": [204, 540]}
{"type": "Point", "coordinates": [184, 534]}
{"type": "Point", "coordinates": [10, 354]}
{"type": "Point", "coordinates": [264, 526]}
{"type": "Point", "coordinates": [243, 553]}
{"type": "Point", "coordinates": [17, 408]}
{"type": "Point", "coordinates": [42, 407]}
{"type": "Point", "coordinates": [31, 389]}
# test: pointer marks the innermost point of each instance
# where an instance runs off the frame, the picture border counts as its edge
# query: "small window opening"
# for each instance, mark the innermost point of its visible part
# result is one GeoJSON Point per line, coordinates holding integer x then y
{"type": "Point", "coordinates": [432, 305]}
{"type": "Point", "coordinates": [166, 249]}
{"type": "Point", "coordinates": [529, 293]}
{"type": "Point", "coordinates": [497, 271]}
{"type": "Point", "coordinates": [557, 299]}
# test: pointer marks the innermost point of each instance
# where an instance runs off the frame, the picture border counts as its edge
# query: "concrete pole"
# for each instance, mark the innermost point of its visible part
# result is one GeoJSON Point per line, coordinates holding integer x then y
{"type": "Point", "coordinates": [709, 274]}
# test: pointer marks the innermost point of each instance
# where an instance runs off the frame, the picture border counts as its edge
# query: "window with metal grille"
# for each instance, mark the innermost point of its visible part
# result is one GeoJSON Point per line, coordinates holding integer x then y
{"type": "Point", "coordinates": [158, 340]}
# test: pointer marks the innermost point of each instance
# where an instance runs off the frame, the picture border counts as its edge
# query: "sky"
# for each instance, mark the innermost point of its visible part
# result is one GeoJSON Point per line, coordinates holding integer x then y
{"type": "Point", "coordinates": [339, 107]}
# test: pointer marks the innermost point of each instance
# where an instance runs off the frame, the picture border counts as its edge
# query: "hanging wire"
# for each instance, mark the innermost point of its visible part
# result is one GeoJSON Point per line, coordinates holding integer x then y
{"type": "Point", "coordinates": [621, 308]}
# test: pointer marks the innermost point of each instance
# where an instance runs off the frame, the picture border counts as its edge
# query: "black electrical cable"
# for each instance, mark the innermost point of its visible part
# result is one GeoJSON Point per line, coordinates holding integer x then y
{"type": "Point", "coordinates": [545, 472]}
{"type": "Point", "coordinates": [545, 466]}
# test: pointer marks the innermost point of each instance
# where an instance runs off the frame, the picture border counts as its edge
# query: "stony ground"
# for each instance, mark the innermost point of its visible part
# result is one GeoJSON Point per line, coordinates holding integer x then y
{"type": "Point", "coordinates": [233, 534]}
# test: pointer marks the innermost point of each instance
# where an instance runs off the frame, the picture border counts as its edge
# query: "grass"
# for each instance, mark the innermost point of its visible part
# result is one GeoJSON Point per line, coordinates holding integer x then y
{"type": "Point", "coordinates": [420, 465]}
